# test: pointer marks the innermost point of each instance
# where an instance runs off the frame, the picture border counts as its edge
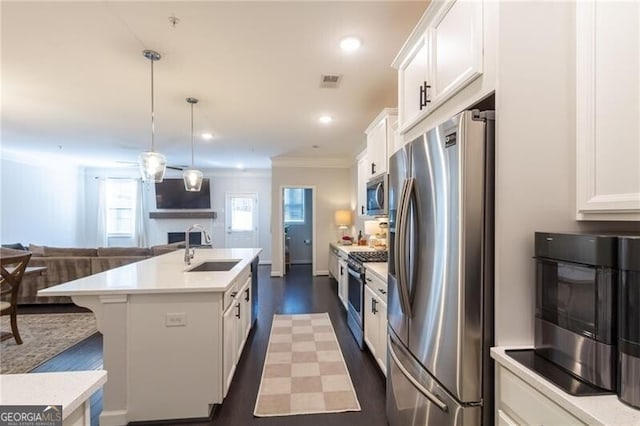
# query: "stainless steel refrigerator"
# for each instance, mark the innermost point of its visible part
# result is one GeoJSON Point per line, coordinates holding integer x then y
{"type": "Point", "coordinates": [440, 300]}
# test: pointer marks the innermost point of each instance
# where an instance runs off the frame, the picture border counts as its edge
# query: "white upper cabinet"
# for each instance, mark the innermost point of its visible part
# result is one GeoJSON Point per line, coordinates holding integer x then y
{"type": "Point", "coordinates": [456, 38]}
{"type": "Point", "coordinates": [412, 78]}
{"type": "Point", "coordinates": [443, 55]}
{"type": "Point", "coordinates": [608, 110]}
{"type": "Point", "coordinates": [380, 137]}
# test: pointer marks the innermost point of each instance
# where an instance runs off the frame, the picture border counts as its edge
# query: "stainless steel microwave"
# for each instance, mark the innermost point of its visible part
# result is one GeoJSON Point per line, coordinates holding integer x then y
{"type": "Point", "coordinates": [377, 196]}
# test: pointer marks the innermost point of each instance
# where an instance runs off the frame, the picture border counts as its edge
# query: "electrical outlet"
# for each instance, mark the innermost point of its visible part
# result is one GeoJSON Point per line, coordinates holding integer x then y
{"type": "Point", "coordinates": [176, 319]}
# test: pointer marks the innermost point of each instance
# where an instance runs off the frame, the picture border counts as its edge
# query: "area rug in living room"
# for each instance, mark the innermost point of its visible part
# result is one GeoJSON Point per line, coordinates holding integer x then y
{"type": "Point", "coordinates": [304, 370]}
{"type": "Point", "coordinates": [43, 337]}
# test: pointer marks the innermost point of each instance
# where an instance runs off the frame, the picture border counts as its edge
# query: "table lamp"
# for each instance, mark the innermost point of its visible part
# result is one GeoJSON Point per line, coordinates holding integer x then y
{"type": "Point", "coordinates": [343, 221]}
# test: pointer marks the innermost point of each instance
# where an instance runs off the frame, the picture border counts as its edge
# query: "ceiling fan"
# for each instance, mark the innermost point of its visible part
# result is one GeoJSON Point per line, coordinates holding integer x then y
{"type": "Point", "coordinates": [179, 168]}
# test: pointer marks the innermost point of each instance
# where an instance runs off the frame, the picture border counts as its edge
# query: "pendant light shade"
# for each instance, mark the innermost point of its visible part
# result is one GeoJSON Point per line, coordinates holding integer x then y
{"type": "Point", "coordinates": [192, 180]}
{"type": "Point", "coordinates": [152, 164]}
{"type": "Point", "coordinates": [192, 177]}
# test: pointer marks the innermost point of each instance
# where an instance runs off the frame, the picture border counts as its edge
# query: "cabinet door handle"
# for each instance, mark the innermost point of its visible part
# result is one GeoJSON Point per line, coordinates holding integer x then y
{"type": "Point", "coordinates": [373, 168]}
{"type": "Point", "coordinates": [368, 280]}
{"type": "Point", "coordinates": [424, 95]}
{"type": "Point", "coordinates": [238, 310]}
{"type": "Point", "coordinates": [382, 291]}
{"type": "Point", "coordinates": [362, 207]}
{"type": "Point", "coordinates": [342, 270]}
{"type": "Point", "coordinates": [234, 294]}
{"type": "Point", "coordinates": [246, 295]}
{"type": "Point", "coordinates": [373, 306]}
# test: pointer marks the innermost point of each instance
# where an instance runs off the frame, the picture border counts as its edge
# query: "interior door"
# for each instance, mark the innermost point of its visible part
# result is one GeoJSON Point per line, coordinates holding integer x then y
{"type": "Point", "coordinates": [241, 220]}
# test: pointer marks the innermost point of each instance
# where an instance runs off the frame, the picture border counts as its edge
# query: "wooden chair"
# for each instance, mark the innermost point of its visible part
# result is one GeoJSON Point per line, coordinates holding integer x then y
{"type": "Point", "coordinates": [13, 263]}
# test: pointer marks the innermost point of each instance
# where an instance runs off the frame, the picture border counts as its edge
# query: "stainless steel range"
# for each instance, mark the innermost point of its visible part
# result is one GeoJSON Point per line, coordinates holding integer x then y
{"type": "Point", "coordinates": [356, 289]}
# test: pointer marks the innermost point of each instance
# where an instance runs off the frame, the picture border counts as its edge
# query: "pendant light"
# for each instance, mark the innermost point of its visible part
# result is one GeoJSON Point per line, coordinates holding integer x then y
{"type": "Point", "coordinates": [192, 177]}
{"type": "Point", "coordinates": [152, 164]}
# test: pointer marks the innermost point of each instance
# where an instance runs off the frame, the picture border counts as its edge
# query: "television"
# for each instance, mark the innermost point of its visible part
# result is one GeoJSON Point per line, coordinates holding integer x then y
{"type": "Point", "coordinates": [170, 194]}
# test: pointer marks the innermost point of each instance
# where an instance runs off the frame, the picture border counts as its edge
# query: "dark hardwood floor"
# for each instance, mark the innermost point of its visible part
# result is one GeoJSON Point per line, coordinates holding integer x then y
{"type": "Point", "coordinates": [298, 292]}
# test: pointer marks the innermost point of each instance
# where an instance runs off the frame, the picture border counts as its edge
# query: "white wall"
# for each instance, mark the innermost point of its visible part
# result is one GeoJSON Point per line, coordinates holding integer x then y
{"type": "Point", "coordinates": [333, 192]}
{"type": "Point", "coordinates": [535, 152]}
{"type": "Point", "coordinates": [221, 182]}
{"type": "Point", "coordinates": [41, 202]}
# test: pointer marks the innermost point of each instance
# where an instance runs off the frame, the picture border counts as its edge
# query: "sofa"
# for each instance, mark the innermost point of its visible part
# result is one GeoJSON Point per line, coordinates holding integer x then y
{"type": "Point", "coordinates": [67, 264]}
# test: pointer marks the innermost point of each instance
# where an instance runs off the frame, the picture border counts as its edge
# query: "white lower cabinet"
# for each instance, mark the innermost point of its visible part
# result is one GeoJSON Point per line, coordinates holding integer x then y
{"type": "Point", "coordinates": [230, 346]}
{"type": "Point", "coordinates": [243, 316]}
{"type": "Point", "coordinates": [518, 403]}
{"type": "Point", "coordinates": [343, 282]}
{"type": "Point", "coordinates": [505, 420]}
{"type": "Point", "coordinates": [375, 320]}
{"type": "Point", "coordinates": [333, 262]}
{"type": "Point", "coordinates": [236, 324]}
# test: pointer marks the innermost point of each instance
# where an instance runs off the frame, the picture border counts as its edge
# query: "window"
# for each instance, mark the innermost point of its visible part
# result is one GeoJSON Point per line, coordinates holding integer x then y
{"type": "Point", "coordinates": [241, 213]}
{"type": "Point", "coordinates": [294, 205]}
{"type": "Point", "coordinates": [121, 206]}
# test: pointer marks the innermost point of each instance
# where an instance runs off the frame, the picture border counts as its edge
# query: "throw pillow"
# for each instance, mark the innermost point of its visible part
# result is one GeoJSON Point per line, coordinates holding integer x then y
{"type": "Point", "coordinates": [15, 246]}
{"type": "Point", "coordinates": [36, 250]}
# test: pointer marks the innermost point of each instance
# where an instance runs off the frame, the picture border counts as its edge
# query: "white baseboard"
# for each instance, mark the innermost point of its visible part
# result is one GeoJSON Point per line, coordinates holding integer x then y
{"type": "Point", "coordinates": [322, 273]}
{"type": "Point", "coordinates": [276, 273]}
{"type": "Point", "coordinates": [113, 418]}
{"type": "Point", "coordinates": [264, 262]}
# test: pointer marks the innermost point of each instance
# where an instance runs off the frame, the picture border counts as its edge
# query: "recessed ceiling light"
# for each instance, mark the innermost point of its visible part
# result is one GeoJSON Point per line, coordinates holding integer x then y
{"type": "Point", "coordinates": [325, 119]}
{"type": "Point", "coordinates": [207, 136]}
{"type": "Point", "coordinates": [350, 44]}
{"type": "Point", "coordinates": [239, 166]}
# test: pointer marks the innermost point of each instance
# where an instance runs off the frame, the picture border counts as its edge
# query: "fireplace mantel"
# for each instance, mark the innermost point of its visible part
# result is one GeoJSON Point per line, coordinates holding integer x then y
{"type": "Point", "coordinates": [183, 215]}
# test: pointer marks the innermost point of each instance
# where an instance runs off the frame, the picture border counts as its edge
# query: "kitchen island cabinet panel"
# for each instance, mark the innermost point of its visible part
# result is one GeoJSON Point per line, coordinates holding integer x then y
{"type": "Point", "coordinates": [170, 346]}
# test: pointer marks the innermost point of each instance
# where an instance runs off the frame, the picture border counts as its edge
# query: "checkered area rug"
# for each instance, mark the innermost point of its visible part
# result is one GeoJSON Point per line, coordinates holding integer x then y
{"type": "Point", "coordinates": [304, 371]}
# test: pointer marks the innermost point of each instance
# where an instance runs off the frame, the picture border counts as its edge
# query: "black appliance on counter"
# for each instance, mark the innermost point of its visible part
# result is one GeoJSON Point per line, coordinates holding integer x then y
{"type": "Point", "coordinates": [629, 321]}
{"type": "Point", "coordinates": [576, 298]}
{"type": "Point", "coordinates": [355, 303]}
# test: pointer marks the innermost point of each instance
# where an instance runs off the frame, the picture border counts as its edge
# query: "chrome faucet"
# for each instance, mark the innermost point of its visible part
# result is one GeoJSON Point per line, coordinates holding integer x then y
{"type": "Point", "coordinates": [188, 254]}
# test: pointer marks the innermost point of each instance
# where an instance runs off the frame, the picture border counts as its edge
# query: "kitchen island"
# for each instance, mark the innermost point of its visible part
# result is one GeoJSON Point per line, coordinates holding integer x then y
{"type": "Point", "coordinates": [171, 336]}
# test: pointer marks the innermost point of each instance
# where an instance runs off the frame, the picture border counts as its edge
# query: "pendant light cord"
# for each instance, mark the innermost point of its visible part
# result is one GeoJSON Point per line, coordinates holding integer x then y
{"type": "Point", "coordinates": [191, 135]}
{"type": "Point", "coordinates": [153, 148]}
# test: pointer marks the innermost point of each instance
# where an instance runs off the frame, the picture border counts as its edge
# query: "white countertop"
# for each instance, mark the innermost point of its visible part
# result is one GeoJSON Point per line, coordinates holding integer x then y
{"type": "Point", "coordinates": [160, 274]}
{"type": "Point", "coordinates": [604, 410]}
{"type": "Point", "coordinates": [353, 247]}
{"type": "Point", "coordinates": [69, 389]}
{"type": "Point", "coordinates": [377, 268]}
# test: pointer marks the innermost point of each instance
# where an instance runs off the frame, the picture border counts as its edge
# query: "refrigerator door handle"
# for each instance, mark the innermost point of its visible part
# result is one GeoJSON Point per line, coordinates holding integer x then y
{"type": "Point", "coordinates": [400, 255]}
{"type": "Point", "coordinates": [402, 252]}
{"type": "Point", "coordinates": [431, 397]}
{"type": "Point", "coordinates": [411, 205]}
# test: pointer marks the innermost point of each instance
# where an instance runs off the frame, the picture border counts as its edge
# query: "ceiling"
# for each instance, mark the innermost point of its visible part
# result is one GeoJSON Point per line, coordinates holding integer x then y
{"type": "Point", "coordinates": [75, 82]}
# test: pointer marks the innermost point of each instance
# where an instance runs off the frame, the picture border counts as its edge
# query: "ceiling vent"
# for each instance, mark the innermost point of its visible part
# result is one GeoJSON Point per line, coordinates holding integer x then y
{"type": "Point", "coordinates": [330, 81]}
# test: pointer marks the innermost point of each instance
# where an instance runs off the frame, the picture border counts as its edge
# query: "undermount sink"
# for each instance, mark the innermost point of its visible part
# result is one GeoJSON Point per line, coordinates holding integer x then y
{"type": "Point", "coordinates": [214, 266]}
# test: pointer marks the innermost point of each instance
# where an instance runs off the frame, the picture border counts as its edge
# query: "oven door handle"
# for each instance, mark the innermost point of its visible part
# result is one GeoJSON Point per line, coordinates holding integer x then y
{"type": "Point", "coordinates": [354, 273]}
